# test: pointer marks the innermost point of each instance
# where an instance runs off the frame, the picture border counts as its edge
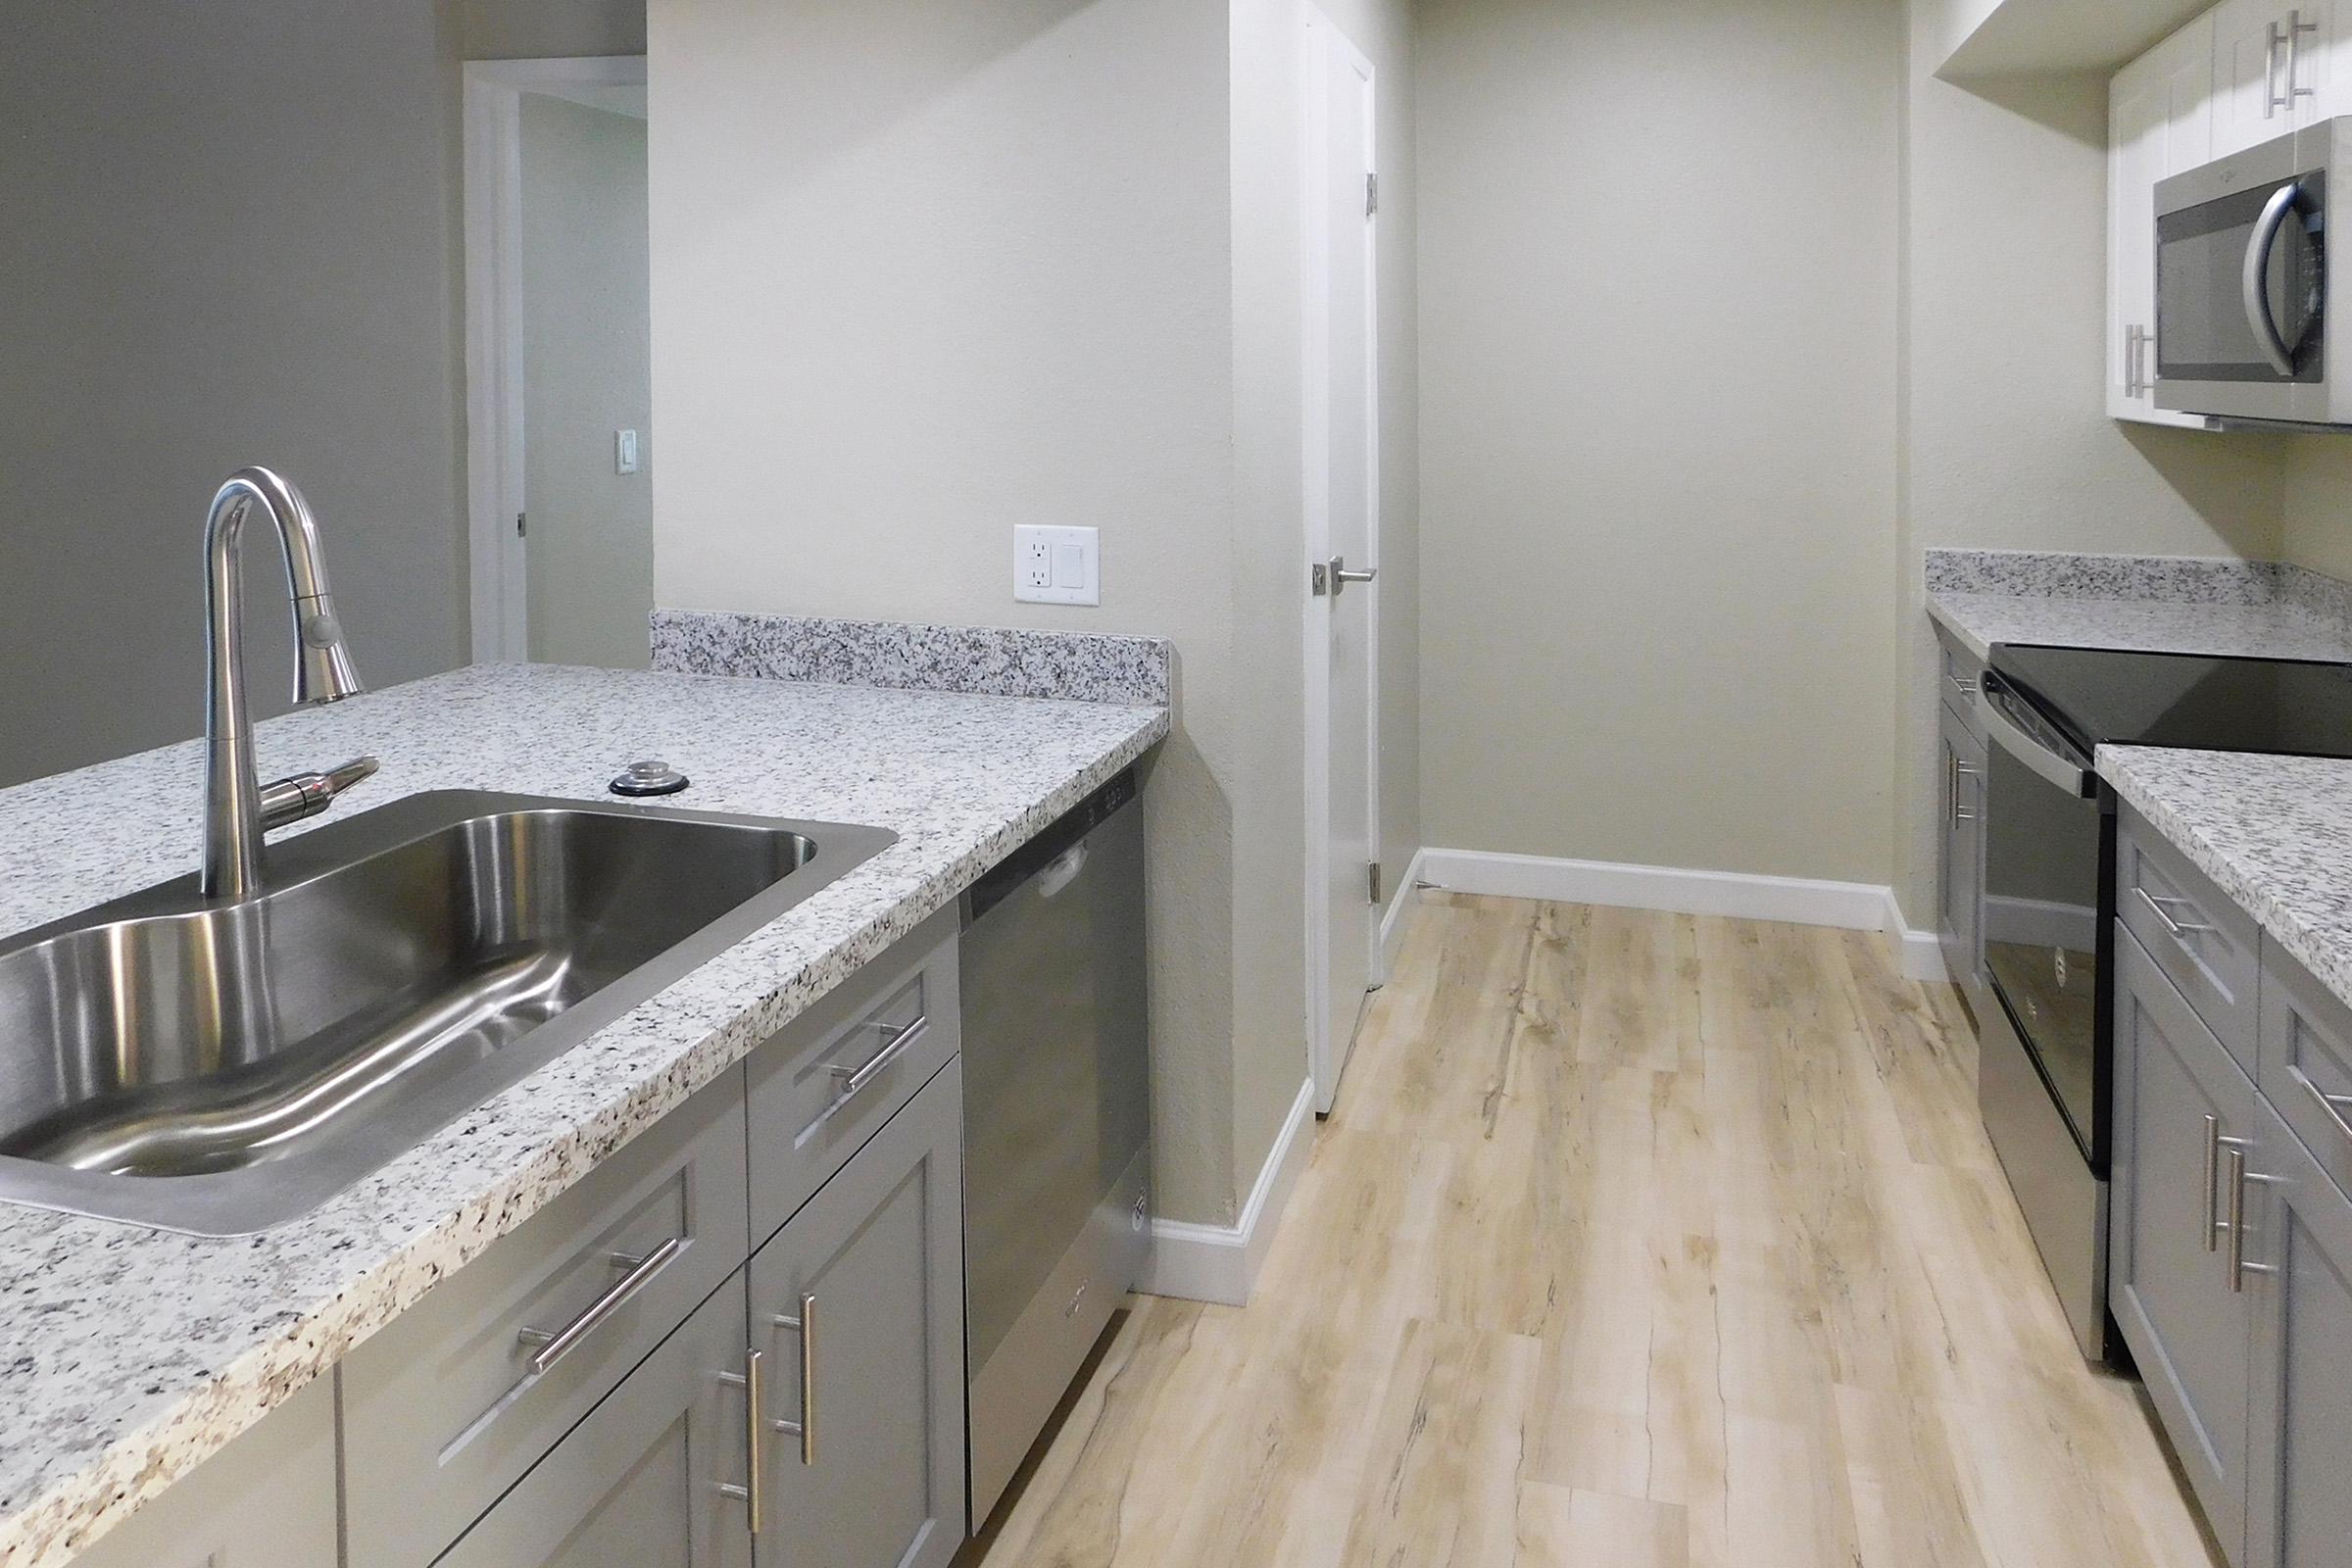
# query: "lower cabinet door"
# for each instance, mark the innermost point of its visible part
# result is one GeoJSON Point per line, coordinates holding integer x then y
{"type": "Point", "coordinates": [2182, 1109]}
{"type": "Point", "coordinates": [652, 1478]}
{"type": "Point", "coordinates": [857, 1303]}
{"type": "Point", "coordinates": [1960, 852]}
{"type": "Point", "coordinates": [2300, 1243]}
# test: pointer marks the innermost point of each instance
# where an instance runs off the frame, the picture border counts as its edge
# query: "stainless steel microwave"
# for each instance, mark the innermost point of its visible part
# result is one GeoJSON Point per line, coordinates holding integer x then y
{"type": "Point", "coordinates": [2247, 324]}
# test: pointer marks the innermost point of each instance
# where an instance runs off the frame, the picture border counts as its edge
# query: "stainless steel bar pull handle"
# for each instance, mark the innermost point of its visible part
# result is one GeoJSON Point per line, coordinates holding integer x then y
{"type": "Point", "coordinates": [2213, 1171]}
{"type": "Point", "coordinates": [2254, 283]}
{"type": "Point", "coordinates": [2333, 1104]}
{"type": "Point", "coordinates": [2134, 338]}
{"type": "Point", "coordinates": [805, 1427]}
{"type": "Point", "coordinates": [752, 1493]}
{"type": "Point", "coordinates": [2179, 928]}
{"type": "Point", "coordinates": [554, 1347]}
{"type": "Point", "coordinates": [1960, 771]}
{"type": "Point", "coordinates": [848, 1081]}
{"type": "Point", "coordinates": [2239, 1177]}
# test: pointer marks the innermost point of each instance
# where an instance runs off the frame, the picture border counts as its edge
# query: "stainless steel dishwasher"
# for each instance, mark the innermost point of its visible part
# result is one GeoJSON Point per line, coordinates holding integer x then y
{"type": "Point", "coordinates": [1056, 1097]}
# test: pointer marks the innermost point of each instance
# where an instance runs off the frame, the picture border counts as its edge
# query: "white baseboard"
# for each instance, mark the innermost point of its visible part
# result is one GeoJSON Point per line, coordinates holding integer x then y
{"type": "Point", "coordinates": [1397, 918]}
{"type": "Point", "coordinates": [1220, 1262]}
{"type": "Point", "coordinates": [2040, 924]}
{"type": "Point", "coordinates": [1799, 900]}
{"type": "Point", "coordinates": [1920, 953]}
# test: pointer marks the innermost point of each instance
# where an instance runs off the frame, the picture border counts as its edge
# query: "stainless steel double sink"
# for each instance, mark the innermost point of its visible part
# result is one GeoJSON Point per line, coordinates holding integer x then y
{"type": "Point", "coordinates": [219, 1068]}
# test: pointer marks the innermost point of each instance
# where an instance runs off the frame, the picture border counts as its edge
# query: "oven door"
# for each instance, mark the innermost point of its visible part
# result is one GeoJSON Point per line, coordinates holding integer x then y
{"type": "Point", "coordinates": [2242, 283]}
{"type": "Point", "coordinates": [2043, 877]}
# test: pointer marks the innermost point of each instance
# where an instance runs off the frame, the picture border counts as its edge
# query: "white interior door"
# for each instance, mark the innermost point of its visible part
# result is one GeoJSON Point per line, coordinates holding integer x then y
{"type": "Point", "coordinates": [1343, 537]}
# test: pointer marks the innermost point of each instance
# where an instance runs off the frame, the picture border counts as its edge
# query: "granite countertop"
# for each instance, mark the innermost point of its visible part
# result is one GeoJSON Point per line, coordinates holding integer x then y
{"type": "Point", "coordinates": [2259, 631]}
{"type": "Point", "coordinates": [2273, 832]}
{"type": "Point", "coordinates": [128, 1355]}
{"type": "Point", "coordinates": [2155, 603]}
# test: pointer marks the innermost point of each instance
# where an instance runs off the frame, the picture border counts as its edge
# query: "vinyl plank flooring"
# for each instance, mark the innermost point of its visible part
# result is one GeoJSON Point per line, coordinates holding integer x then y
{"type": "Point", "coordinates": [1635, 1238]}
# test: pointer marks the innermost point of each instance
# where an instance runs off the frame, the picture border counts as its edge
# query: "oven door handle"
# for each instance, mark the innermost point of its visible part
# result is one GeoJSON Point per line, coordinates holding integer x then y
{"type": "Point", "coordinates": [2255, 285]}
{"type": "Point", "coordinates": [2047, 764]}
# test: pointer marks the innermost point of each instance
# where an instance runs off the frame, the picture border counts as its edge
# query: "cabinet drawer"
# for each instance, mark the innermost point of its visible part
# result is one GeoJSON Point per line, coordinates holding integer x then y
{"type": "Point", "coordinates": [2305, 1069]}
{"type": "Point", "coordinates": [443, 1410]}
{"type": "Point", "coordinates": [266, 1501]}
{"type": "Point", "coordinates": [2202, 940]}
{"type": "Point", "coordinates": [654, 1474]}
{"type": "Point", "coordinates": [822, 1085]}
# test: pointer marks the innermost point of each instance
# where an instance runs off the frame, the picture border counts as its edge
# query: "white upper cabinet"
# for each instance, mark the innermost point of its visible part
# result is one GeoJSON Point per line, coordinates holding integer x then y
{"type": "Point", "coordinates": [2160, 122]}
{"type": "Point", "coordinates": [2276, 67]}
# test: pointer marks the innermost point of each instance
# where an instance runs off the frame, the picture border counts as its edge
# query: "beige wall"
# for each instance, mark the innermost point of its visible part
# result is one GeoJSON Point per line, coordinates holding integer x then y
{"type": "Point", "coordinates": [196, 279]}
{"type": "Point", "coordinates": [585, 350]}
{"type": "Point", "coordinates": [2006, 443]}
{"type": "Point", "coordinates": [920, 275]}
{"type": "Point", "coordinates": [1657, 419]}
{"type": "Point", "coordinates": [2317, 531]}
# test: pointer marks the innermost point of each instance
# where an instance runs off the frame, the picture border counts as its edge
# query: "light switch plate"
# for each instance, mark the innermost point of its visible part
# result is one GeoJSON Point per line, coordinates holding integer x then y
{"type": "Point", "coordinates": [1054, 566]}
{"type": "Point", "coordinates": [625, 452]}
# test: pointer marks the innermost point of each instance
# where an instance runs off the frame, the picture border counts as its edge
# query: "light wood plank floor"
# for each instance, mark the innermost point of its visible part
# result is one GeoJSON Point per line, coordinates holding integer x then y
{"type": "Point", "coordinates": [1636, 1239]}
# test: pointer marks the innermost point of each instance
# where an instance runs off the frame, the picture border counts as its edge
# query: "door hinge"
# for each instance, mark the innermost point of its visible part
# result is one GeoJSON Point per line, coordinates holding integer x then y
{"type": "Point", "coordinates": [1371, 194]}
{"type": "Point", "coordinates": [1372, 880]}
{"type": "Point", "coordinates": [519, 528]}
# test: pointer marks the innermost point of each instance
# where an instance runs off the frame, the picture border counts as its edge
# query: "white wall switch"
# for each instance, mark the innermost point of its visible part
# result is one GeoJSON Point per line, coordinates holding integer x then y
{"type": "Point", "coordinates": [625, 452]}
{"type": "Point", "coordinates": [1056, 565]}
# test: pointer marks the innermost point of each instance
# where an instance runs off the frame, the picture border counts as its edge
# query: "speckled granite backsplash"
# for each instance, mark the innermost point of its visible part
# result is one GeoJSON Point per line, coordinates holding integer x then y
{"type": "Point", "coordinates": [2051, 575]}
{"type": "Point", "coordinates": [2177, 603]}
{"type": "Point", "coordinates": [983, 660]}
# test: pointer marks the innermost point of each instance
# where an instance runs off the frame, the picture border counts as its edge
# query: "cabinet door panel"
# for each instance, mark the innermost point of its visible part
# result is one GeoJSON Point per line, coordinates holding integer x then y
{"type": "Point", "coordinates": [638, 1481]}
{"type": "Point", "coordinates": [2177, 1091]}
{"type": "Point", "coordinates": [2300, 1225]}
{"type": "Point", "coordinates": [874, 1367]}
{"type": "Point", "coordinates": [1961, 859]}
{"type": "Point", "coordinates": [2247, 75]}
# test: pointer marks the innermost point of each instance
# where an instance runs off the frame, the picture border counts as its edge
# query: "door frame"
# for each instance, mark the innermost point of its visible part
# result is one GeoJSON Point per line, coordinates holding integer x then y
{"type": "Point", "coordinates": [1318, 35]}
{"type": "Point", "coordinates": [497, 552]}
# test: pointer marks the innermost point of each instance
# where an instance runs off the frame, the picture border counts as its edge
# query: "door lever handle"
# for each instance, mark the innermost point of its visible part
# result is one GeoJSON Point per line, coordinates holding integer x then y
{"type": "Point", "coordinates": [1342, 576]}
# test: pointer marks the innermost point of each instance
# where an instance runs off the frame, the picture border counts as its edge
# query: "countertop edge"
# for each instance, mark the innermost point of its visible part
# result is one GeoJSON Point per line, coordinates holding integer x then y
{"type": "Point", "coordinates": [48, 1529]}
{"type": "Point", "coordinates": [2323, 959]}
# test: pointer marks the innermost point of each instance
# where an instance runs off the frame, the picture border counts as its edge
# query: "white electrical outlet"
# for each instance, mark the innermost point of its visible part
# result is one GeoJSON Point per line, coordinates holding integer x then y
{"type": "Point", "coordinates": [1056, 565]}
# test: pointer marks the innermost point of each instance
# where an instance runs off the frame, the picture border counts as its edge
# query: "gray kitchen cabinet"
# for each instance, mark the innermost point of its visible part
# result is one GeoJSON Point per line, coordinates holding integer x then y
{"type": "Point", "coordinates": [2298, 1251]}
{"type": "Point", "coordinates": [463, 1394]}
{"type": "Point", "coordinates": [266, 1501]}
{"type": "Point", "coordinates": [652, 1478]}
{"type": "Point", "coordinates": [858, 1305]}
{"type": "Point", "coordinates": [2183, 1107]}
{"type": "Point", "coordinates": [1960, 853]}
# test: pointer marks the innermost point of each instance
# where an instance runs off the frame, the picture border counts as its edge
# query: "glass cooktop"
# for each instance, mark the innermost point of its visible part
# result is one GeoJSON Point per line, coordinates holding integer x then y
{"type": "Point", "coordinates": [2105, 695]}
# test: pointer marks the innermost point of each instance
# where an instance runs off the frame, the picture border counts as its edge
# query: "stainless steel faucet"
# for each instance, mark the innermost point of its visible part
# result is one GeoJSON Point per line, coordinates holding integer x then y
{"type": "Point", "coordinates": [238, 810]}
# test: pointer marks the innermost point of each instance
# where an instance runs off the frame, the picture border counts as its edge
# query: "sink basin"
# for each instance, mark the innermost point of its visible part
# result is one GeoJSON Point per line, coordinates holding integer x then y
{"type": "Point", "coordinates": [221, 1069]}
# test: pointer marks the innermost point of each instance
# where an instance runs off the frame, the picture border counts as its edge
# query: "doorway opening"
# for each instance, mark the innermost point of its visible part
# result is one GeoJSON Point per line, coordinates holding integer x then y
{"type": "Point", "coordinates": [558, 362]}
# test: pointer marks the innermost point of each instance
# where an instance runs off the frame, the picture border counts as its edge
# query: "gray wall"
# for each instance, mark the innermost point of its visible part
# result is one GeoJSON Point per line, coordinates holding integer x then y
{"type": "Point", "coordinates": [586, 373]}
{"type": "Point", "coordinates": [1657, 425]}
{"type": "Point", "coordinates": [551, 29]}
{"type": "Point", "coordinates": [197, 279]}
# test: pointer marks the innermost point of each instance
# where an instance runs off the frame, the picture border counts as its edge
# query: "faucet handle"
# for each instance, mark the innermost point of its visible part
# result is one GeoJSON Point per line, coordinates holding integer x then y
{"type": "Point", "coordinates": [306, 795]}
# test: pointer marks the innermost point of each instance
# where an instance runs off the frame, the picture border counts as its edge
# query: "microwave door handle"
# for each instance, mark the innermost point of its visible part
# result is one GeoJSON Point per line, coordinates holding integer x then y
{"type": "Point", "coordinates": [2045, 763]}
{"type": "Point", "coordinates": [2255, 285]}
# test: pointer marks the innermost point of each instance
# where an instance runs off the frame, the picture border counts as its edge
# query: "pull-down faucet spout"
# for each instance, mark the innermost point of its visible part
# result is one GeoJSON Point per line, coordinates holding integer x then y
{"type": "Point", "coordinates": [237, 808]}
